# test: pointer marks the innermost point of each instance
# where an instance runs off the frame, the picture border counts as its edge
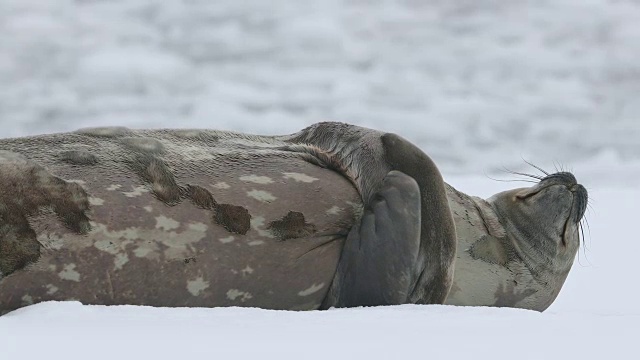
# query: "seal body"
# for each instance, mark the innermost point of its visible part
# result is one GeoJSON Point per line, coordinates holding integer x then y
{"type": "Point", "coordinates": [207, 218]}
{"type": "Point", "coordinates": [112, 216]}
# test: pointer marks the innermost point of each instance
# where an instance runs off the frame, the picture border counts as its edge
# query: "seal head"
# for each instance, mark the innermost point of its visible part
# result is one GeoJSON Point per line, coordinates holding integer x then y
{"type": "Point", "coordinates": [517, 247]}
{"type": "Point", "coordinates": [545, 220]}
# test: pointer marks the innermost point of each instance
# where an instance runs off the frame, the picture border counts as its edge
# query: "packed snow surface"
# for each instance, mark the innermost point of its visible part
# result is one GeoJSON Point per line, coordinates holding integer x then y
{"type": "Point", "coordinates": [70, 331]}
{"type": "Point", "coordinates": [479, 85]}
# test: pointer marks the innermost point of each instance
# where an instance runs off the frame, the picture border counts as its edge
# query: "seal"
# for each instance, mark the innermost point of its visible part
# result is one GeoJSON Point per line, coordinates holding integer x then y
{"type": "Point", "coordinates": [333, 216]}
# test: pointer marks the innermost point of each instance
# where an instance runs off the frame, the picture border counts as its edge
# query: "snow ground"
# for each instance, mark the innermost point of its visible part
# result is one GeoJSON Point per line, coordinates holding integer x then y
{"type": "Point", "coordinates": [477, 84]}
{"type": "Point", "coordinates": [70, 331]}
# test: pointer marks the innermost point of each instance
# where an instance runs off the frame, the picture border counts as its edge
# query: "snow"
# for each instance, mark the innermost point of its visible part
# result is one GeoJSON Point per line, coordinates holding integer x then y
{"type": "Point", "coordinates": [479, 85]}
{"type": "Point", "coordinates": [71, 331]}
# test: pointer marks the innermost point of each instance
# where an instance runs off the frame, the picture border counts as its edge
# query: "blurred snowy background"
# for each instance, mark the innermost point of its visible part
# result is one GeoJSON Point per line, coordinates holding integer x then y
{"type": "Point", "coordinates": [478, 84]}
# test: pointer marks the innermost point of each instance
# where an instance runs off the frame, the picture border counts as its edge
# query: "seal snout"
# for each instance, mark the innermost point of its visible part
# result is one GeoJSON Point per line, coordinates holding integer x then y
{"type": "Point", "coordinates": [566, 187]}
{"type": "Point", "coordinates": [581, 199]}
{"type": "Point", "coordinates": [579, 192]}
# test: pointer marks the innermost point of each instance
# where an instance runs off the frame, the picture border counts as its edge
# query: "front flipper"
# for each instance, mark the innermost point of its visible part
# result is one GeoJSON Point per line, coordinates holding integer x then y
{"type": "Point", "coordinates": [378, 264]}
{"type": "Point", "coordinates": [365, 157]}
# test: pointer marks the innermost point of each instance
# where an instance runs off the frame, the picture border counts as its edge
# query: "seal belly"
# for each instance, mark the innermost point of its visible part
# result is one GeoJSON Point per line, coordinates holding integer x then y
{"type": "Point", "coordinates": [173, 223]}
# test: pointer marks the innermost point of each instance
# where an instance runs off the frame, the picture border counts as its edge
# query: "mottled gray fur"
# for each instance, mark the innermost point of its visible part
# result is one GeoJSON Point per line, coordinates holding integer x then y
{"type": "Point", "coordinates": [335, 215]}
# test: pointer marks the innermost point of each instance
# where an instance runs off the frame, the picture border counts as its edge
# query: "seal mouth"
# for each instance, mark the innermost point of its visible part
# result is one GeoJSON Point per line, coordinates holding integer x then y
{"type": "Point", "coordinates": [580, 202]}
{"type": "Point", "coordinates": [578, 209]}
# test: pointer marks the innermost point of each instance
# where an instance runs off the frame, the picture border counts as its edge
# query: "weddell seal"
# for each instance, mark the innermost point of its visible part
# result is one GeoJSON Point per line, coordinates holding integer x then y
{"type": "Point", "coordinates": [333, 216]}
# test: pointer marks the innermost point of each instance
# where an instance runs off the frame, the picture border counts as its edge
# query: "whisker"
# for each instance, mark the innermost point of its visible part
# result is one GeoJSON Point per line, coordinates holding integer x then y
{"type": "Point", "coordinates": [513, 180]}
{"type": "Point", "coordinates": [584, 247]}
{"type": "Point", "coordinates": [580, 262]}
{"type": "Point", "coordinates": [581, 235]}
{"type": "Point", "coordinates": [562, 168]}
{"type": "Point", "coordinates": [586, 221]}
{"type": "Point", "coordinates": [525, 174]}
{"type": "Point", "coordinates": [537, 177]}
{"type": "Point", "coordinates": [537, 167]}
